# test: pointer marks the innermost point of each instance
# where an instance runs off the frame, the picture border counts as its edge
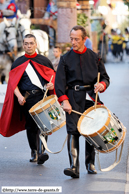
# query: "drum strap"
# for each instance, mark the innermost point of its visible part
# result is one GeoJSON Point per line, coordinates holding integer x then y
{"type": "Point", "coordinates": [45, 144]}
{"type": "Point", "coordinates": [33, 76]}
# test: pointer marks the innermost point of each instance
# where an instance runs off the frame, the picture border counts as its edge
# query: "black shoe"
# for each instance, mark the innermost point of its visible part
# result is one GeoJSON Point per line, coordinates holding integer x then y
{"type": "Point", "coordinates": [91, 169]}
{"type": "Point", "coordinates": [71, 172]}
{"type": "Point", "coordinates": [33, 156]}
{"type": "Point", "coordinates": [42, 158]}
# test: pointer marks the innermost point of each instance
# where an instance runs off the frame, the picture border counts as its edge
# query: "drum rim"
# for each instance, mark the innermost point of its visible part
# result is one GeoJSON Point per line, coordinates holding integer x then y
{"type": "Point", "coordinates": [100, 130]}
{"type": "Point", "coordinates": [59, 127]}
{"type": "Point", "coordinates": [55, 129]}
{"type": "Point", "coordinates": [32, 110]}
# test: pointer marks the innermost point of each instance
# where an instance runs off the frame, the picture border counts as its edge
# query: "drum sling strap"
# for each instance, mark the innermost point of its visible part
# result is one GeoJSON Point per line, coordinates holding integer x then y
{"type": "Point", "coordinates": [45, 144]}
{"type": "Point", "coordinates": [33, 76]}
{"type": "Point", "coordinates": [35, 80]}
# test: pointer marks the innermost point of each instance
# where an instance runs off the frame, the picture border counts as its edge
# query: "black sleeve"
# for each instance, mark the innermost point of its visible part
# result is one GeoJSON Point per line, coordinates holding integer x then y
{"type": "Point", "coordinates": [60, 80]}
{"type": "Point", "coordinates": [103, 74]}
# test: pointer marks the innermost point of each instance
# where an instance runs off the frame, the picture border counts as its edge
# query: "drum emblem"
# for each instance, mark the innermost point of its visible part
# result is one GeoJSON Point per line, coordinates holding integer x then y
{"type": "Point", "coordinates": [54, 113]}
{"type": "Point", "coordinates": [109, 136]}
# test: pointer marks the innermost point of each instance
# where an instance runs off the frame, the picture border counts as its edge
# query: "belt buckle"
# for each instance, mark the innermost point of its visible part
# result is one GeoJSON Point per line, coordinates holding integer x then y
{"type": "Point", "coordinates": [33, 91]}
{"type": "Point", "coordinates": [75, 88]}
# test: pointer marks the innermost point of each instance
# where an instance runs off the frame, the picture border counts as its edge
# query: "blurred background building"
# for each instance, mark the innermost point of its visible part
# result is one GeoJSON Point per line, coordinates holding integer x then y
{"type": "Point", "coordinates": [97, 16]}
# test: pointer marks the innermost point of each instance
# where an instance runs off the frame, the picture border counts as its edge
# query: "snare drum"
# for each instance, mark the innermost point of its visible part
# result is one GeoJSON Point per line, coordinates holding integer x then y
{"type": "Point", "coordinates": [105, 132]}
{"type": "Point", "coordinates": [48, 115]}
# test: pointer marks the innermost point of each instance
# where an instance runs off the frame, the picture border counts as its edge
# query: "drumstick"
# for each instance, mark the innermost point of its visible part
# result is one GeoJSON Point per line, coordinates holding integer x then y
{"type": "Point", "coordinates": [97, 92]}
{"type": "Point", "coordinates": [81, 114]}
{"type": "Point", "coordinates": [26, 95]}
{"type": "Point", "coordinates": [47, 89]}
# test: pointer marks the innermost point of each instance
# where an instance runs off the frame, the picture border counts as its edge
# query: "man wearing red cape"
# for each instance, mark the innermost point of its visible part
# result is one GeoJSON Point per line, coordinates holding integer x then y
{"type": "Point", "coordinates": [15, 116]}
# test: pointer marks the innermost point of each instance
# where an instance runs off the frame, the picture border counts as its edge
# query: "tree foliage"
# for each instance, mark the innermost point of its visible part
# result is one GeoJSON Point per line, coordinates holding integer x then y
{"type": "Point", "coordinates": [126, 2]}
{"type": "Point", "coordinates": [82, 19]}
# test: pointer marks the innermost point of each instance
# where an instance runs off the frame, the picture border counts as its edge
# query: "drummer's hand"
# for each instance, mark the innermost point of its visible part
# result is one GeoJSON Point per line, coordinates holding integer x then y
{"type": "Point", "coordinates": [50, 86]}
{"type": "Point", "coordinates": [99, 87]}
{"type": "Point", "coordinates": [21, 100]}
{"type": "Point", "coordinates": [66, 106]}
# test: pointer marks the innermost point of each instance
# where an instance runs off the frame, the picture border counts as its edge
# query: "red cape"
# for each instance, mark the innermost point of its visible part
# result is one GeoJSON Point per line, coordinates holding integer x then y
{"type": "Point", "coordinates": [10, 123]}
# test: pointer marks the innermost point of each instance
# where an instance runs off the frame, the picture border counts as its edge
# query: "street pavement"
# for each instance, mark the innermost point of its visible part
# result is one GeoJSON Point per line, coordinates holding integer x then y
{"type": "Point", "coordinates": [16, 170]}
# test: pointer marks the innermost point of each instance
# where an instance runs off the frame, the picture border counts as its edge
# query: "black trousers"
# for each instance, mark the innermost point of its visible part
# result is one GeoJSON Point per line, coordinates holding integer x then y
{"type": "Point", "coordinates": [115, 50]}
{"type": "Point", "coordinates": [31, 127]}
{"type": "Point", "coordinates": [80, 104]}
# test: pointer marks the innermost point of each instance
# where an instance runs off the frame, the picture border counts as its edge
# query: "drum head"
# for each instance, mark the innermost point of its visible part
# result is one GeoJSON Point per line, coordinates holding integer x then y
{"type": "Point", "coordinates": [88, 126]}
{"type": "Point", "coordinates": [43, 105]}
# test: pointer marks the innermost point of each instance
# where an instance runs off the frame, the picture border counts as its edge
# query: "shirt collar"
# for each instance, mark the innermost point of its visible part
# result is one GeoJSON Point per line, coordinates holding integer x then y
{"type": "Point", "coordinates": [31, 56]}
{"type": "Point", "coordinates": [80, 52]}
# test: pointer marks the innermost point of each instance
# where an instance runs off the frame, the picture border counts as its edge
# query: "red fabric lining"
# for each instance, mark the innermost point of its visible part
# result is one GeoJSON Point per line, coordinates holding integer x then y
{"type": "Point", "coordinates": [94, 100]}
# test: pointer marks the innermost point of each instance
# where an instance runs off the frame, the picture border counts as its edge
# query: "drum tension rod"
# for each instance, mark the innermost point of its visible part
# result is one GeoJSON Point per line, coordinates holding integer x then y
{"type": "Point", "coordinates": [99, 148]}
{"type": "Point", "coordinates": [105, 141]}
{"type": "Point", "coordinates": [116, 138]}
{"type": "Point", "coordinates": [120, 130]}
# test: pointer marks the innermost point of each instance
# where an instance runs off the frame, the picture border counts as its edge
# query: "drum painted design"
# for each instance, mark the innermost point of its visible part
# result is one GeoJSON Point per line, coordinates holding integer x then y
{"type": "Point", "coordinates": [104, 131]}
{"type": "Point", "coordinates": [48, 115]}
{"type": "Point", "coordinates": [52, 113]}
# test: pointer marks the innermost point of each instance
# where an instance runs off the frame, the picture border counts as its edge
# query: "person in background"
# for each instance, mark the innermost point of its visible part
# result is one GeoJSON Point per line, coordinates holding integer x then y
{"type": "Point", "coordinates": [121, 45]}
{"type": "Point", "coordinates": [51, 11]}
{"type": "Point", "coordinates": [57, 53]}
{"type": "Point", "coordinates": [114, 45]}
{"type": "Point", "coordinates": [127, 40]}
{"type": "Point", "coordinates": [103, 45]}
{"type": "Point", "coordinates": [8, 9]}
{"type": "Point", "coordinates": [88, 43]}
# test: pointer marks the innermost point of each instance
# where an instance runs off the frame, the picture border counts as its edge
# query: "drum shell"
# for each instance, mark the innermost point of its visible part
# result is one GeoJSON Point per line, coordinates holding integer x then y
{"type": "Point", "coordinates": [43, 114]}
{"type": "Point", "coordinates": [98, 138]}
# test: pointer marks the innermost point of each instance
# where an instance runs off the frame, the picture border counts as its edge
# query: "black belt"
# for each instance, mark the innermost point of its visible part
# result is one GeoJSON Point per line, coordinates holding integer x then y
{"type": "Point", "coordinates": [33, 91]}
{"type": "Point", "coordinates": [78, 88]}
